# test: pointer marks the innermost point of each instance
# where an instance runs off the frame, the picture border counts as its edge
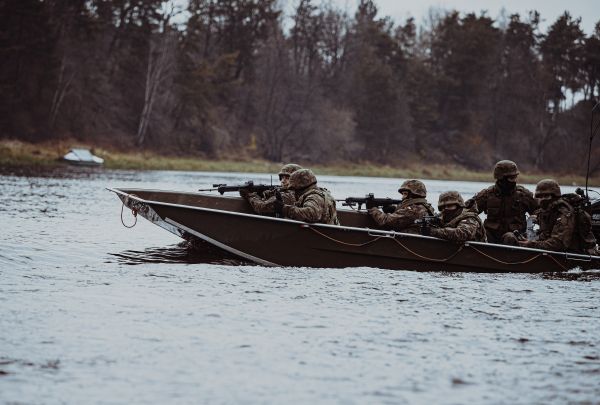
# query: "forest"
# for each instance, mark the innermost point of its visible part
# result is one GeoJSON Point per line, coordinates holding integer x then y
{"type": "Point", "coordinates": [239, 78]}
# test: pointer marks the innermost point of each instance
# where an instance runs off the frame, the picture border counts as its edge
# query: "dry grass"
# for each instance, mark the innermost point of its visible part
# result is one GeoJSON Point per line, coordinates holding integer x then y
{"type": "Point", "coordinates": [17, 153]}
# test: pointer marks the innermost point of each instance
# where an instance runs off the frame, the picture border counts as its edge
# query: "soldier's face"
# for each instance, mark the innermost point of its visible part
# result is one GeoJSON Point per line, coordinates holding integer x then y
{"type": "Point", "coordinates": [449, 211]}
{"type": "Point", "coordinates": [512, 179]}
{"type": "Point", "coordinates": [544, 199]}
{"type": "Point", "coordinates": [285, 181]}
{"type": "Point", "coordinates": [404, 195]}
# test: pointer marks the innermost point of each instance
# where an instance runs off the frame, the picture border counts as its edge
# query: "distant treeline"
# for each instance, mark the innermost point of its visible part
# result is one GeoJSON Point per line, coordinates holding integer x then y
{"type": "Point", "coordinates": [234, 78]}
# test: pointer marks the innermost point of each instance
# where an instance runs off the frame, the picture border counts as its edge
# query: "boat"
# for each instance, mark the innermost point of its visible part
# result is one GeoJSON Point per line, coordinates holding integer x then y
{"type": "Point", "coordinates": [230, 224]}
{"type": "Point", "coordinates": [82, 157]}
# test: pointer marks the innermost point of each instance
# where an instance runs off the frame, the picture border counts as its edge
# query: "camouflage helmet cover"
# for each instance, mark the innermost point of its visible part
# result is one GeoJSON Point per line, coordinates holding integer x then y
{"type": "Point", "coordinates": [415, 187]}
{"type": "Point", "coordinates": [288, 169]}
{"type": "Point", "coordinates": [505, 168]}
{"type": "Point", "coordinates": [301, 179]}
{"type": "Point", "coordinates": [547, 186]}
{"type": "Point", "coordinates": [449, 198]}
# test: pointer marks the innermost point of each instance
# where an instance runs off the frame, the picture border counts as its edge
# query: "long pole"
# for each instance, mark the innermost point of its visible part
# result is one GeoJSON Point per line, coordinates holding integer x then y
{"type": "Point", "coordinates": [593, 131]}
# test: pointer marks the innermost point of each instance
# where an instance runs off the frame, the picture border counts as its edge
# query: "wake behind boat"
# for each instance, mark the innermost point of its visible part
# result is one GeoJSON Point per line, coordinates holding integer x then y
{"type": "Point", "coordinates": [230, 224]}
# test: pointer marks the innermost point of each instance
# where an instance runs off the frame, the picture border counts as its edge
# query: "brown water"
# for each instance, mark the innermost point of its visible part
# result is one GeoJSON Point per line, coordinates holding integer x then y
{"type": "Point", "coordinates": [92, 312]}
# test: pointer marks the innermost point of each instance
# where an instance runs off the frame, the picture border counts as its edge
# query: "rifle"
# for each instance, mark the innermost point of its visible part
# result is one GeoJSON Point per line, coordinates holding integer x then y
{"type": "Point", "coordinates": [427, 221]}
{"type": "Point", "coordinates": [249, 185]}
{"type": "Point", "coordinates": [279, 205]}
{"type": "Point", "coordinates": [369, 201]}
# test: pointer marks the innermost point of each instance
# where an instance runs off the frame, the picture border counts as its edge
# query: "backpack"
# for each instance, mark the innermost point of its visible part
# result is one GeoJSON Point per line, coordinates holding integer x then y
{"type": "Point", "coordinates": [583, 235]}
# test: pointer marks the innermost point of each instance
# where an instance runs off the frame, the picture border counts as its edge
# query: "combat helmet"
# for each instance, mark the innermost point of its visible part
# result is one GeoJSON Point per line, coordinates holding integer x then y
{"type": "Point", "coordinates": [449, 198]}
{"type": "Point", "coordinates": [505, 168]}
{"type": "Point", "coordinates": [547, 186]}
{"type": "Point", "coordinates": [302, 179]}
{"type": "Point", "coordinates": [288, 169]}
{"type": "Point", "coordinates": [415, 187]}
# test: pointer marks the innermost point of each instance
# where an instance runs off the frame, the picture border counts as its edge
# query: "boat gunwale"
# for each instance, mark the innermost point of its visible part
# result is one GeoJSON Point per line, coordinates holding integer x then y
{"type": "Point", "coordinates": [370, 231]}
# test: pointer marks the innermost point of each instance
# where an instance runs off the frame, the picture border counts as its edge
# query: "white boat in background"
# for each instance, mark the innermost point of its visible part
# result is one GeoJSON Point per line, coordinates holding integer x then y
{"type": "Point", "coordinates": [83, 157]}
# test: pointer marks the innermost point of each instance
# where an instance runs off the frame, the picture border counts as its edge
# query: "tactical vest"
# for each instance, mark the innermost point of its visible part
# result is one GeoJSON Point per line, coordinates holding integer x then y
{"type": "Point", "coordinates": [330, 214]}
{"type": "Point", "coordinates": [480, 236]}
{"type": "Point", "coordinates": [417, 201]}
{"type": "Point", "coordinates": [506, 213]}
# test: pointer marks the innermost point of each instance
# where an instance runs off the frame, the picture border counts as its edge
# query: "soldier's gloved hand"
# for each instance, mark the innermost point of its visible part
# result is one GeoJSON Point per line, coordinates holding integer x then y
{"type": "Point", "coordinates": [510, 238]}
{"type": "Point", "coordinates": [389, 209]}
{"type": "Point", "coordinates": [372, 211]}
{"type": "Point", "coordinates": [244, 193]}
{"type": "Point", "coordinates": [426, 230]}
{"type": "Point", "coordinates": [278, 205]}
{"type": "Point", "coordinates": [523, 243]}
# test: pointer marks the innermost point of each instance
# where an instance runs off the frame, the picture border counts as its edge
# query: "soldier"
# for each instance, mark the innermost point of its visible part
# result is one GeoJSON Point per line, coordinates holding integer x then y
{"type": "Point", "coordinates": [505, 204]}
{"type": "Point", "coordinates": [414, 206]}
{"type": "Point", "coordinates": [265, 204]}
{"type": "Point", "coordinates": [559, 227]}
{"type": "Point", "coordinates": [457, 223]}
{"type": "Point", "coordinates": [313, 204]}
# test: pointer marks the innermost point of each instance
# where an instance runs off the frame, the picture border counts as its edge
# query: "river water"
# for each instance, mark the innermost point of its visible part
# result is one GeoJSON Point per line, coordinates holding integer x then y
{"type": "Point", "coordinates": [92, 312]}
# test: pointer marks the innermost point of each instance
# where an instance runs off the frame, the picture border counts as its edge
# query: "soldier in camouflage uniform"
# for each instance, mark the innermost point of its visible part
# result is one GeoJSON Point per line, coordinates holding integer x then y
{"type": "Point", "coordinates": [413, 206]}
{"type": "Point", "coordinates": [313, 204]}
{"type": "Point", "coordinates": [457, 223]}
{"type": "Point", "coordinates": [505, 204]}
{"type": "Point", "coordinates": [265, 204]}
{"type": "Point", "coordinates": [558, 226]}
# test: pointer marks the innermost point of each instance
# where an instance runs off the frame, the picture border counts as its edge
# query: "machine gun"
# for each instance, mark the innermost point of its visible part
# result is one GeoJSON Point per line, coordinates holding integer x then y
{"type": "Point", "coordinates": [249, 185]}
{"type": "Point", "coordinates": [369, 201]}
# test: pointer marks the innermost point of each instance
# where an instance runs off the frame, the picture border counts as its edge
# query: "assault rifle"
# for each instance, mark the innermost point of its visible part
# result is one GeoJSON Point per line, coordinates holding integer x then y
{"type": "Point", "coordinates": [427, 222]}
{"type": "Point", "coordinates": [249, 185]}
{"type": "Point", "coordinates": [369, 201]}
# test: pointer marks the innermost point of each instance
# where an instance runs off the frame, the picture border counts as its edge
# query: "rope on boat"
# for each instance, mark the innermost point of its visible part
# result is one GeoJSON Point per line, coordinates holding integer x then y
{"type": "Point", "coordinates": [342, 242]}
{"type": "Point", "coordinates": [434, 259]}
{"type": "Point", "coordinates": [133, 211]}
{"type": "Point", "coordinates": [521, 262]}
{"type": "Point", "coordinates": [380, 237]}
{"type": "Point", "coordinates": [429, 258]}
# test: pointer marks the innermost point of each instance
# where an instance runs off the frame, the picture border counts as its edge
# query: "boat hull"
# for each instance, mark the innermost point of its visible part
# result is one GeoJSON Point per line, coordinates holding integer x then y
{"type": "Point", "coordinates": [228, 223]}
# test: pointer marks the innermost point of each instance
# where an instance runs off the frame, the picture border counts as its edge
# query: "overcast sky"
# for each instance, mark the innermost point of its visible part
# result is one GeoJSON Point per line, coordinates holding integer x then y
{"type": "Point", "coordinates": [399, 10]}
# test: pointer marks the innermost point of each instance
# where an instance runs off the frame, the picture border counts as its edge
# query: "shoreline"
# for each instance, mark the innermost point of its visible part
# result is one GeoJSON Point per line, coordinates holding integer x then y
{"type": "Point", "coordinates": [17, 154]}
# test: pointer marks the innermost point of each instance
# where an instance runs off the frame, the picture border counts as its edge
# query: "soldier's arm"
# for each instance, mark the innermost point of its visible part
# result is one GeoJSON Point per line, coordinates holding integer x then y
{"type": "Point", "coordinates": [311, 210]}
{"type": "Point", "coordinates": [288, 197]}
{"type": "Point", "coordinates": [260, 205]}
{"type": "Point", "coordinates": [481, 200]}
{"type": "Point", "coordinates": [268, 193]}
{"type": "Point", "coordinates": [465, 231]}
{"type": "Point", "coordinates": [378, 216]}
{"type": "Point", "coordinates": [560, 237]}
{"type": "Point", "coordinates": [400, 219]}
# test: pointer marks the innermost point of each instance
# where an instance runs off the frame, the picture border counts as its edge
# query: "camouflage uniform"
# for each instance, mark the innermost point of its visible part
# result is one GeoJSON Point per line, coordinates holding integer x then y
{"type": "Point", "coordinates": [406, 213]}
{"type": "Point", "coordinates": [505, 212]}
{"type": "Point", "coordinates": [464, 227]}
{"type": "Point", "coordinates": [557, 225]}
{"type": "Point", "coordinates": [314, 204]}
{"type": "Point", "coordinates": [559, 230]}
{"type": "Point", "coordinates": [403, 219]}
{"type": "Point", "coordinates": [265, 205]}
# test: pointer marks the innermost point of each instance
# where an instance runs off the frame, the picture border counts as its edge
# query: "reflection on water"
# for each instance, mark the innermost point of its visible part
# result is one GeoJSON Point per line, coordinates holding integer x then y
{"type": "Point", "coordinates": [92, 312]}
{"type": "Point", "coordinates": [187, 252]}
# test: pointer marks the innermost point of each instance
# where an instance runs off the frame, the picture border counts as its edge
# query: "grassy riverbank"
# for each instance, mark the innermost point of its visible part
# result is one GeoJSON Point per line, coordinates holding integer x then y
{"type": "Point", "coordinates": [16, 153]}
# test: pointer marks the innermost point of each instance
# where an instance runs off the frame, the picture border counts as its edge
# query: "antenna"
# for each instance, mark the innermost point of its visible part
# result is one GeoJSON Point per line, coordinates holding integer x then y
{"type": "Point", "coordinates": [593, 132]}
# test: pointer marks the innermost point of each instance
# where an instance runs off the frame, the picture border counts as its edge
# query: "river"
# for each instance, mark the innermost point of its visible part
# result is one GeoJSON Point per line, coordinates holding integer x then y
{"type": "Point", "coordinates": [92, 312]}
